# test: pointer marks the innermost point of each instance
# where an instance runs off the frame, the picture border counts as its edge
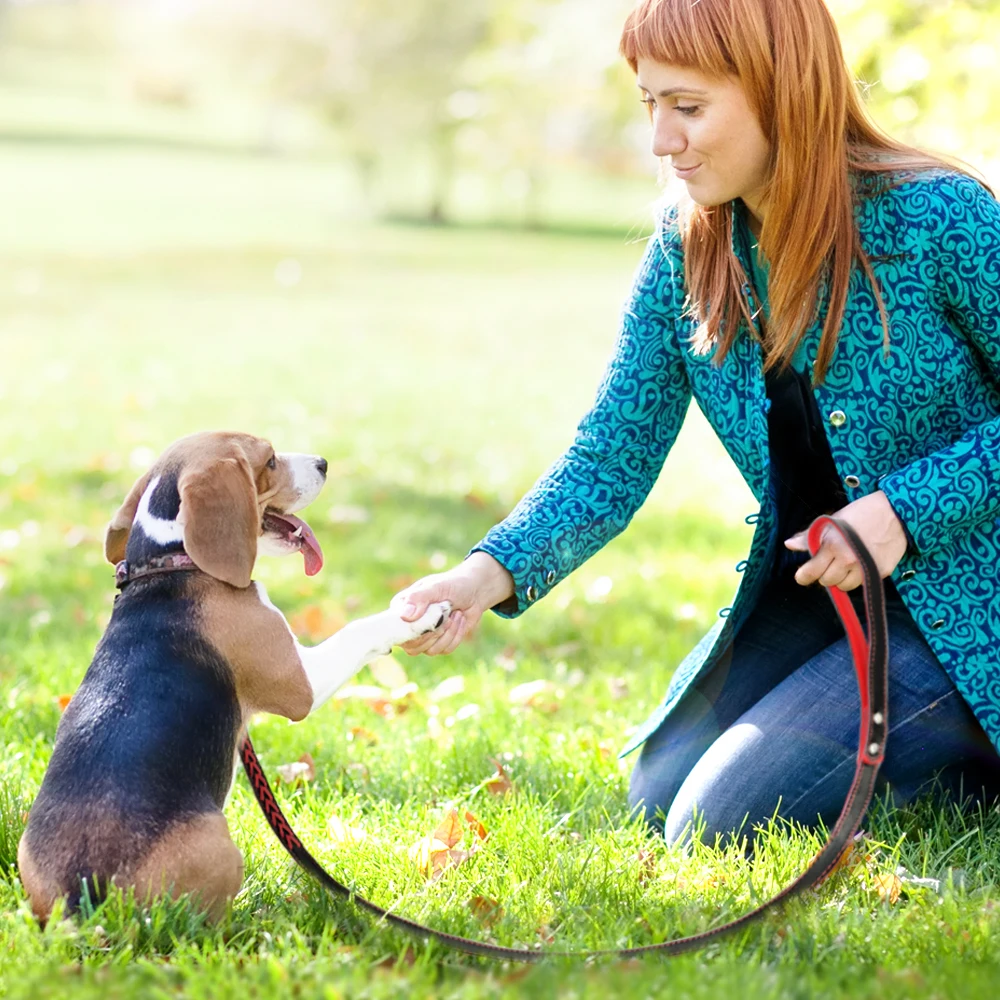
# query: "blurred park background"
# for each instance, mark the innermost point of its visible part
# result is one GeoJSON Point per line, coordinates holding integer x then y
{"type": "Point", "coordinates": [397, 234]}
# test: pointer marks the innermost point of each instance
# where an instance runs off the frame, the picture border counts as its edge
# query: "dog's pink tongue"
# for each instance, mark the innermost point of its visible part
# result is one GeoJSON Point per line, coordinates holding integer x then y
{"type": "Point", "coordinates": [311, 552]}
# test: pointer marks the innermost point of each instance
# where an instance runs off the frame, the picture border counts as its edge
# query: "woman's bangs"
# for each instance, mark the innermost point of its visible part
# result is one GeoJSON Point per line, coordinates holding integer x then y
{"type": "Point", "coordinates": [676, 32]}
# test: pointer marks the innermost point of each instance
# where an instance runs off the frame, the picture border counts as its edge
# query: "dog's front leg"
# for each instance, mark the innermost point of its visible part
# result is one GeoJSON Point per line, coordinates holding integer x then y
{"type": "Point", "coordinates": [334, 662]}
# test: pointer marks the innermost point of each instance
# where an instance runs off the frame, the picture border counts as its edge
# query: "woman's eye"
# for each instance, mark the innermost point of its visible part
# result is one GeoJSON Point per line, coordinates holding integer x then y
{"type": "Point", "coordinates": [272, 463]}
{"type": "Point", "coordinates": [688, 109]}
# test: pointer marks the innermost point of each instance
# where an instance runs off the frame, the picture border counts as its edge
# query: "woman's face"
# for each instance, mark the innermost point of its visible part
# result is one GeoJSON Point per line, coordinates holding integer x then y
{"type": "Point", "coordinates": [705, 125]}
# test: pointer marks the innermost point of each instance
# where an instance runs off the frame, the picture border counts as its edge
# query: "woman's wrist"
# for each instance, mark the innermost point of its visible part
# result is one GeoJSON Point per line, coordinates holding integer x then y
{"type": "Point", "coordinates": [493, 582]}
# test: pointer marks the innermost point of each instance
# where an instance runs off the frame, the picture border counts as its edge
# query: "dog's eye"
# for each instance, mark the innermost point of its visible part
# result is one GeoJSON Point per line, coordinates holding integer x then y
{"type": "Point", "coordinates": [273, 462]}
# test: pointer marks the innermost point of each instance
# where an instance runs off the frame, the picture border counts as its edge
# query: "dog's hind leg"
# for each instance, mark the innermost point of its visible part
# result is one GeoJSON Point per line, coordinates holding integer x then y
{"type": "Point", "coordinates": [194, 856]}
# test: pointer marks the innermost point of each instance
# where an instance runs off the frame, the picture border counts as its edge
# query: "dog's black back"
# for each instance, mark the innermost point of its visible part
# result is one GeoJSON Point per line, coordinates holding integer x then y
{"type": "Point", "coordinates": [147, 740]}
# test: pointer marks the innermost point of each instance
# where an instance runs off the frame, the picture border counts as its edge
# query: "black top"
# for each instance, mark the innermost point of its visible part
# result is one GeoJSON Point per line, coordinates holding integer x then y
{"type": "Point", "coordinates": [804, 479]}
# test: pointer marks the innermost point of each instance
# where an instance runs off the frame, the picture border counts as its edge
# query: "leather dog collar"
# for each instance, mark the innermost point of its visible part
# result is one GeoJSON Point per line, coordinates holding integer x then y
{"type": "Point", "coordinates": [176, 562]}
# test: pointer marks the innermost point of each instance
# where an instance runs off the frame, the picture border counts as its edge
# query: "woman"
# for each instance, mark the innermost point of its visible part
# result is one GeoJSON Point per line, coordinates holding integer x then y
{"type": "Point", "coordinates": [831, 299]}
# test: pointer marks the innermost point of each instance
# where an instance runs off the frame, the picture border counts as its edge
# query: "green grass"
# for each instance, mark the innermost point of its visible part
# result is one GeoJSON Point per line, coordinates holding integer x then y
{"type": "Point", "coordinates": [439, 371]}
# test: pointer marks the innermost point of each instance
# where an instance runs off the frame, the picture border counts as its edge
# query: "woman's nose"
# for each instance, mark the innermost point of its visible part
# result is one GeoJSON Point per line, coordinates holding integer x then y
{"type": "Point", "coordinates": [667, 141]}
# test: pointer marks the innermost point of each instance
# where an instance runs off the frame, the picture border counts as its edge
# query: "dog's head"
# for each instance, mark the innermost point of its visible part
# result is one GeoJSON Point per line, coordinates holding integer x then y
{"type": "Point", "coordinates": [220, 495]}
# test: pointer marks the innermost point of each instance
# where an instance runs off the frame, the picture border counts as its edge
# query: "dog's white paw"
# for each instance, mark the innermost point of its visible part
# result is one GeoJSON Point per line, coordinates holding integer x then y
{"type": "Point", "coordinates": [433, 618]}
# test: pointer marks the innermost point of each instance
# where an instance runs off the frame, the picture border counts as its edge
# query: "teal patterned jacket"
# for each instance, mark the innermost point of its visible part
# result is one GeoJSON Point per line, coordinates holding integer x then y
{"type": "Point", "coordinates": [922, 424]}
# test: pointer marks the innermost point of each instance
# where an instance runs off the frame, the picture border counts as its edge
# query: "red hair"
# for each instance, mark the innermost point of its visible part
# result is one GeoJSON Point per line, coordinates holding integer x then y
{"type": "Point", "coordinates": [787, 56]}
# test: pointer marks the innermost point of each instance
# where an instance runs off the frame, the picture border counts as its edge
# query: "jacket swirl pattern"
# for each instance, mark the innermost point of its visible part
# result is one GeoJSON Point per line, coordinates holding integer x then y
{"type": "Point", "coordinates": [922, 424]}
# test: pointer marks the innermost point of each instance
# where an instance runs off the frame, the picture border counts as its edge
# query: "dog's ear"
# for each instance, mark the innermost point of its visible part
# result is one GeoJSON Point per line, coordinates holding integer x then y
{"type": "Point", "coordinates": [219, 514]}
{"type": "Point", "coordinates": [116, 536]}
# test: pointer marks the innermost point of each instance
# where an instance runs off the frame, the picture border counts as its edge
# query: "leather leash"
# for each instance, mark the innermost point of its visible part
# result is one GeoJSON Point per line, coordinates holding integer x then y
{"type": "Point", "coordinates": [870, 657]}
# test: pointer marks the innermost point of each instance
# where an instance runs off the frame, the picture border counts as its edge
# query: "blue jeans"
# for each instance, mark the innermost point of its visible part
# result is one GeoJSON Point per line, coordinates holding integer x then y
{"type": "Point", "coordinates": [774, 726]}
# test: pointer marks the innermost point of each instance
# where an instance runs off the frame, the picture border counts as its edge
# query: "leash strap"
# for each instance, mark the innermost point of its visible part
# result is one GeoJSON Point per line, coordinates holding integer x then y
{"type": "Point", "coordinates": [870, 656]}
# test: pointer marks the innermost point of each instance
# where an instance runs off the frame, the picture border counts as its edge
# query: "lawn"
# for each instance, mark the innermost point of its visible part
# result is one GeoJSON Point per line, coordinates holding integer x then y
{"type": "Point", "coordinates": [147, 293]}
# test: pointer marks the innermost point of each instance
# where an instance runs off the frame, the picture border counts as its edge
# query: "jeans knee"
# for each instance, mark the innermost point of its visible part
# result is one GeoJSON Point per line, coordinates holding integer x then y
{"type": "Point", "coordinates": [648, 795]}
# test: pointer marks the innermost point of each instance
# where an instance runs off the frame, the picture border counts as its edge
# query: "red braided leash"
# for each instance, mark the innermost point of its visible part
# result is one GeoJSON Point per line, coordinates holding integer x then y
{"type": "Point", "coordinates": [870, 656]}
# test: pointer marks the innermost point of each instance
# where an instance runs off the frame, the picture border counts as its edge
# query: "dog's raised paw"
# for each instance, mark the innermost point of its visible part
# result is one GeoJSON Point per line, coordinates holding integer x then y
{"type": "Point", "coordinates": [433, 618]}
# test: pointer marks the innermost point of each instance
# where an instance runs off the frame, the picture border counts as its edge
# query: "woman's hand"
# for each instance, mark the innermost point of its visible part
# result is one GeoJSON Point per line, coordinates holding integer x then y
{"type": "Point", "coordinates": [472, 587]}
{"type": "Point", "coordinates": [834, 565]}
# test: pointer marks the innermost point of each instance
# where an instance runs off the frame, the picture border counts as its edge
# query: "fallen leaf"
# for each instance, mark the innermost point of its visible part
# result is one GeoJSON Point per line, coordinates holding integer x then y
{"type": "Point", "coordinates": [473, 499]}
{"type": "Point", "coordinates": [386, 703]}
{"type": "Point", "coordinates": [388, 672]}
{"type": "Point", "coordinates": [316, 622]}
{"type": "Point", "coordinates": [424, 852]}
{"type": "Point", "coordinates": [358, 734]}
{"type": "Point", "coordinates": [645, 861]}
{"type": "Point", "coordinates": [448, 688]}
{"type": "Point", "coordinates": [341, 833]}
{"type": "Point", "coordinates": [362, 692]}
{"type": "Point", "coordinates": [529, 692]}
{"type": "Point", "coordinates": [409, 957]}
{"type": "Point", "coordinates": [486, 911]}
{"type": "Point", "coordinates": [619, 688]}
{"type": "Point", "coordinates": [359, 772]}
{"type": "Point", "coordinates": [506, 658]}
{"type": "Point", "coordinates": [887, 886]}
{"type": "Point", "coordinates": [500, 784]}
{"type": "Point", "coordinates": [64, 700]}
{"type": "Point", "coordinates": [854, 855]}
{"type": "Point", "coordinates": [302, 769]}
{"type": "Point", "coordinates": [449, 830]}
{"type": "Point", "coordinates": [477, 827]}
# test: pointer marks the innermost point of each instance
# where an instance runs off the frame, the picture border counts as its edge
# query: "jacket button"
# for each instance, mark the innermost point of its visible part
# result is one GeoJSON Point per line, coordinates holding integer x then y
{"type": "Point", "coordinates": [550, 577]}
{"type": "Point", "coordinates": [852, 481]}
{"type": "Point", "coordinates": [908, 575]}
{"type": "Point", "coordinates": [838, 418]}
{"type": "Point", "coordinates": [529, 594]}
{"type": "Point", "coordinates": [938, 625]}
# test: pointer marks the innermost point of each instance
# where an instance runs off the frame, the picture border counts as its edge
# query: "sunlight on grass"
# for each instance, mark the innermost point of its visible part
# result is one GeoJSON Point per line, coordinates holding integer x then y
{"type": "Point", "coordinates": [439, 371]}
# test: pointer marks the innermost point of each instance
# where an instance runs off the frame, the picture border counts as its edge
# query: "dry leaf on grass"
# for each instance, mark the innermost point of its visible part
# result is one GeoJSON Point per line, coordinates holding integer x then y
{"type": "Point", "coordinates": [449, 687]}
{"type": "Point", "coordinates": [341, 833]}
{"type": "Point", "coordinates": [500, 784]}
{"type": "Point", "coordinates": [888, 887]}
{"type": "Point", "coordinates": [449, 830]}
{"type": "Point", "coordinates": [619, 688]}
{"type": "Point", "coordinates": [388, 672]}
{"type": "Point", "coordinates": [317, 622]}
{"type": "Point", "coordinates": [486, 911]}
{"type": "Point", "coordinates": [645, 862]}
{"type": "Point", "coordinates": [434, 854]}
{"type": "Point", "coordinates": [64, 700]}
{"type": "Point", "coordinates": [358, 734]}
{"type": "Point", "coordinates": [529, 692]}
{"type": "Point", "coordinates": [381, 700]}
{"type": "Point", "coordinates": [854, 856]}
{"type": "Point", "coordinates": [302, 769]}
{"type": "Point", "coordinates": [476, 826]}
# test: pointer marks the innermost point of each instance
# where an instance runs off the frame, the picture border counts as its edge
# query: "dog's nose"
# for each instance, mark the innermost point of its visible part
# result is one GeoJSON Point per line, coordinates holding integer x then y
{"type": "Point", "coordinates": [321, 464]}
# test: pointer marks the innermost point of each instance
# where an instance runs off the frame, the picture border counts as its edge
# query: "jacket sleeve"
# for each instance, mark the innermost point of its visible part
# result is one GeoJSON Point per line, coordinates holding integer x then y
{"type": "Point", "coordinates": [946, 494]}
{"type": "Point", "coordinates": [591, 493]}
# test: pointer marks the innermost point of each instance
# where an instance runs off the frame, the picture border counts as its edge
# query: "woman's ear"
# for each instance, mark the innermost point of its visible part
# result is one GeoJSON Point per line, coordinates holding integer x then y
{"type": "Point", "coordinates": [116, 536]}
{"type": "Point", "coordinates": [219, 516]}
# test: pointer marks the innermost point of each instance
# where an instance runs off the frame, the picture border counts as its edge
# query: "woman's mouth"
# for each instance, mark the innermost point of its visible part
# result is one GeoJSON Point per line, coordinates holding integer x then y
{"type": "Point", "coordinates": [686, 173]}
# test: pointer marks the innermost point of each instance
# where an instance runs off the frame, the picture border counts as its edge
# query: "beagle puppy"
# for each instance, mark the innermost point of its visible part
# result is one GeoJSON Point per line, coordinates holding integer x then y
{"type": "Point", "coordinates": [146, 750]}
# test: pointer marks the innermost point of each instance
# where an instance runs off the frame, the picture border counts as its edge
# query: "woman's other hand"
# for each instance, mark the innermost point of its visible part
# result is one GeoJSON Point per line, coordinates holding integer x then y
{"type": "Point", "coordinates": [834, 565]}
{"type": "Point", "coordinates": [472, 587]}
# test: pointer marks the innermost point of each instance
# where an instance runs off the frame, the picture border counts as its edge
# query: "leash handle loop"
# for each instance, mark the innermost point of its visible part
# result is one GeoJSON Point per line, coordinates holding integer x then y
{"type": "Point", "coordinates": [870, 656]}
